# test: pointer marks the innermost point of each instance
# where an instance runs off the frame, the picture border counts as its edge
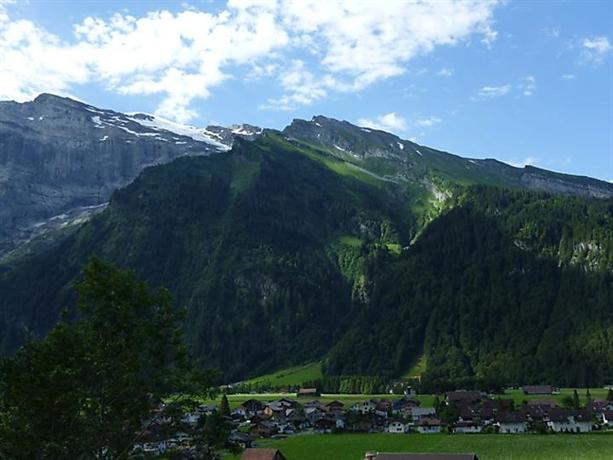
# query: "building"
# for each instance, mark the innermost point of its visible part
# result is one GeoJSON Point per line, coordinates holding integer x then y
{"type": "Point", "coordinates": [570, 421]}
{"type": "Point", "coordinates": [418, 412]}
{"type": "Point", "coordinates": [429, 425]}
{"type": "Point", "coordinates": [262, 454]}
{"type": "Point", "coordinates": [308, 393]}
{"type": "Point", "coordinates": [467, 426]}
{"type": "Point", "coordinates": [397, 427]}
{"type": "Point", "coordinates": [539, 390]}
{"type": "Point", "coordinates": [511, 422]}
{"type": "Point", "coordinates": [465, 397]}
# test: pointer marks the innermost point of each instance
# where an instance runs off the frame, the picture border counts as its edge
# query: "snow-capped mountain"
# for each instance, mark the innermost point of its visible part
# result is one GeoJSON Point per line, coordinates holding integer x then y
{"type": "Point", "coordinates": [61, 158]}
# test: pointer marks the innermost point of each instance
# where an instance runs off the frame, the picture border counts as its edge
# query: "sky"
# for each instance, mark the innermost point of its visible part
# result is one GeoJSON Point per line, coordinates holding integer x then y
{"type": "Point", "coordinates": [526, 82]}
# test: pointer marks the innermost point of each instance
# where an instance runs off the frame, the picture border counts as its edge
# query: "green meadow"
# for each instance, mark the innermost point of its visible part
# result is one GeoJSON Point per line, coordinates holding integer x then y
{"type": "Point", "coordinates": [487, 447]}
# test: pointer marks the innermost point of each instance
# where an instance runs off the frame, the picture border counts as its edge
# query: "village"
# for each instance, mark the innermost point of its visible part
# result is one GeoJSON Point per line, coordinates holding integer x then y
{"type": "Point", "coordinates": [456, 412]}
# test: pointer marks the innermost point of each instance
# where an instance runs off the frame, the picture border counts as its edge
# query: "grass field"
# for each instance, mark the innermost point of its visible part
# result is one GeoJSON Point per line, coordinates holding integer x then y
{"type": "Point", "coordinates": [488, 447]}
{"type": "Point", "coordinates": [290, 376]}
{"type": "Point", "coordinates": [426, 400]}
{"type": "Point", "coordinates": [518, 396]}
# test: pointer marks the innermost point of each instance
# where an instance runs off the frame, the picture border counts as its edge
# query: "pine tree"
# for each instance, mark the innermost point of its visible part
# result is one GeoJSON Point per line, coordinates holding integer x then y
{"type": "Point", "coordinates": [224, 407]}
{"type": "Point", "coordinates": [576, 402]}
{"type": "Point", "coordinates": [610, 395]}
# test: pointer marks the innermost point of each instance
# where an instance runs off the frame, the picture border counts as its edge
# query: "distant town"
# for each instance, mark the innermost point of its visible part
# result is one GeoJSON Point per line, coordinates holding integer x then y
{"type": "Point", "coordinates": [455, 412]}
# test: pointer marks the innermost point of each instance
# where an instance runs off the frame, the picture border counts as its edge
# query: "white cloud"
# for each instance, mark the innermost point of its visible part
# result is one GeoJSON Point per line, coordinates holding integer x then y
{"type": "Point", "coordinates": [528, 85]}
{"type": "Point", "coordinates": [182, 56]}
{"type": "Point", "coordinates": [427, 121]}
{"type": "Point", "coordinates": [388, 122]}
{"type": "Point", "coordinates": [569, 76]}
{"type": "Point", "coordinates": [445, 72]}
{"type": "Point", "coordinates": [494, 91]}
{"type": "Point", "coordinates": [528, 161]}
{"type": "Point", "coordinates": [594, 50]}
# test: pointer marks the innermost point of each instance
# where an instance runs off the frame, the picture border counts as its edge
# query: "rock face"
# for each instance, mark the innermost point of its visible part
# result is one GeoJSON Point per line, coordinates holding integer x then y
{"type": "Point", "coordinates": [60, 157]}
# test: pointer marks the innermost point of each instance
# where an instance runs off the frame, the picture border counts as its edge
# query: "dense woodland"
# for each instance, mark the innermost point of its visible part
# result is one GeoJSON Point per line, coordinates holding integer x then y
{"type": "Point", "coordinates": [280, 259]}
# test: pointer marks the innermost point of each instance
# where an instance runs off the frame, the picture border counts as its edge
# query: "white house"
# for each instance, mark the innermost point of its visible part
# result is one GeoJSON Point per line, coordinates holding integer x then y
{"type": "Point", "coordinates": [397, 427]}
{"type": "Point", "coordinates": [565, 421]}
{"type": "Point", "coordinates": [467, 426]}
{"type": "Point", "coordinates": [511, 422]}
{"type": "Point", "coordinates": [429, 425]}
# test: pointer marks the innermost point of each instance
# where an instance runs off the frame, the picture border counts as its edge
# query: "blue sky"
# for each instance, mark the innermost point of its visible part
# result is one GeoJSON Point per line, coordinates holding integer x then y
{"type": "Point", "coordinates": [527, 82]}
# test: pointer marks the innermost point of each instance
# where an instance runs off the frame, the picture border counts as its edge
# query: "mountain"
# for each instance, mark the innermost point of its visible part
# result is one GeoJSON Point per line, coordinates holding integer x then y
{"type": "Point", "coordinates": [337, 243]}
{"type": "Point", "coordinates": [61, 159]}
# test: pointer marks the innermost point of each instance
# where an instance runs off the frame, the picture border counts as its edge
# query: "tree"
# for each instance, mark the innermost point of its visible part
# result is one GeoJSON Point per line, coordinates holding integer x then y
{"type": "Point", "coordinates": [576, 402]}
{"type": "Point", "coordinates": [224, 407]}
{"type": "Point", "coordinates": [85, 389]}
{"type": "Point", "coordinates": [610, 394]}
{"type": "Point", "coordinates": [588, 397]}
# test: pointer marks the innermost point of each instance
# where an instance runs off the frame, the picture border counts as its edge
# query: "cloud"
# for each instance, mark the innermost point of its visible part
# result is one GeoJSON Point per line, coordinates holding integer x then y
{"type": "Point", "coordinates": [445, 72]}
{"type": "Point", "coordinates": [388, 122]}
{"type": "Point", "coordinates": [594, 50]}
{"type": "Point", "coordinates": [568, 76]}
{"type": "Point", "coordinates": [528, 85]}
{"type": "Point", "coordinates": [311, 48]}
{"type": "Point", "coordinates": [489, 92]}
{"type": "Point", "coordinates": [427, 121]}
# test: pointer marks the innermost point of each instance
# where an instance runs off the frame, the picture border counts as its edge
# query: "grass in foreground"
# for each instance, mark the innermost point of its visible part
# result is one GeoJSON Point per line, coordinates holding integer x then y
{"type": "Point", "coordinates": [488, 447]}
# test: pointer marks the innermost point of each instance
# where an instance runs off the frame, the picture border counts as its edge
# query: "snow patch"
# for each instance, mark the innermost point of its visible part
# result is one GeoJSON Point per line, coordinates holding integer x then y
{"type": "Point", "coordinates": [418, 152]}
{"type": "Point", "coordinates": [338, 147]}
{"type": "Point", "coordinates": [96, 120]}
{"type": "Point", "coordinates": [366, 130]}
{"type": "Point", "coordinates": [31, 118]}
{"type": "Point", "coordinates": [102, 139]}
{"type": "Point", "coordinates": [161, 124]}
{"type": "Point", "coordinates": [400, 145]}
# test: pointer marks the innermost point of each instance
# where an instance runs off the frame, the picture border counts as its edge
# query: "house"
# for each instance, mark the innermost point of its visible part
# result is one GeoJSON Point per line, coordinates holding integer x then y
{"type": "Point", "coordinates": [335, 407]}
{"type": "Point", "coordinates": [429, 456]}
{"type": "Point", "coordinates": [419, 412]}
{"type": "Point", "coordinates": [607, 418]}
{"type": "Point", "coordinates": [275, 409]}
{"type": "Point", "coordinates": [364, 407]}
{"type": "Point", "coordinates": [410, 392]}
{"type": "Point", "coordinates": [551, 403]}
{"type": "Point", "coordinates": [242, 439]}
{"type": "Point", "coordinates": [539, 390]}
{"type": "Point", "coordinates": [570, 421]}
{"type": "Point", "coordinates": [397, 427]}
{"type": "Point", "coordinates": [325, 424]}
{"type": "Point", "coordinates": [511, 422]}
{"type": "Point", "coordinates": [429, 425]}
{"type": "Point", "coordinates": [265, 429]}
{"type": "Point", "coordinates": [252, 407]}
{"type": "Point", "coordinates": [308, 392]}
{"type": "Point", "coordinates": [462, 397]}
{"type": "Point", "coordinates": [262, 454]}
{"type": "Point", "coordinates": [467, 426]}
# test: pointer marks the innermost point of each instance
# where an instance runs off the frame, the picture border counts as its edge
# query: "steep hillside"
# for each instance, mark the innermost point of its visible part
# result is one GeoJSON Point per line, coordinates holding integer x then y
{"type": "Point", "coordinates": [507, 287]}
{"type": "Point", "coordinates": [263, 245]}
{"type": "Point", "coordinates": [334, 243]}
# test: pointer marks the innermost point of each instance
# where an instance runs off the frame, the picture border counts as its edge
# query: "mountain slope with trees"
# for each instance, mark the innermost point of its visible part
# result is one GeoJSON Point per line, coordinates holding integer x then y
{"type": "Point", "coordinates": [286, 250]}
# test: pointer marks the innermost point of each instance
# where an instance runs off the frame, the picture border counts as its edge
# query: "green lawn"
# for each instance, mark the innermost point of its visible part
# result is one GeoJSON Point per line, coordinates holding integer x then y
{"type": "Point", "coordinates": [290, 376]}
{"type": "Point", "coordinates": [518, 396]}
{"type": "Point", "coordinates": [488, 447]}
